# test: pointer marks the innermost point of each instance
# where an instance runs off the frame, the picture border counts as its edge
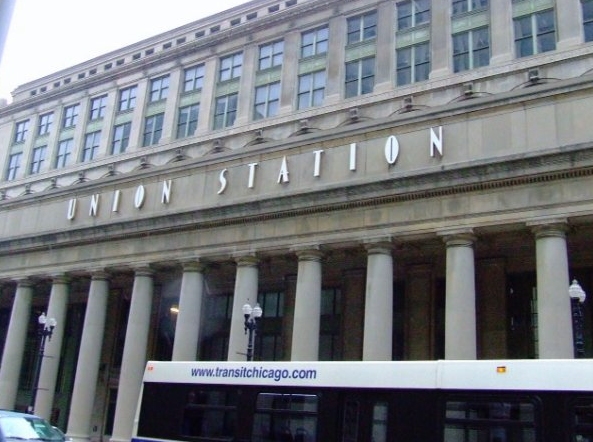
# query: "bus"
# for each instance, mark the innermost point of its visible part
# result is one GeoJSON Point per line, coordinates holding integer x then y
{"type": "Point", "coordinates": [444, 400]}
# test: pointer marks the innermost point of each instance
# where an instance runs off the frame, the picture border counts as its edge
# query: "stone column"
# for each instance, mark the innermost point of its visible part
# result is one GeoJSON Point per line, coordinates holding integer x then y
{"type": "Point", "coordinates": [89, 357]}
{"type": "Point", "coordinates": [14, 346]}
{"type": "Point", "coordinates": [570, 23]}
{"type": "Point", "coordinates": [419, 313]}
{"type": "Point", "coordinates": [501, 31]}
{"type": "Point", "coordinates": [307, 308]}
{"type": "Point", "coordinates": [378, 312]}
{"type": "Point", "coordinates": [58, 302]}
{"type": "Point", "coordinates": [134, 356]}
{"type": "Point", "coordinates": [187, 330]}
{"type": "Point", "coordinates": [460, 297]}
{"type": "Point", "coordinates": [246, 286]}
{"type": "Point", "coordinates": [553, 303]}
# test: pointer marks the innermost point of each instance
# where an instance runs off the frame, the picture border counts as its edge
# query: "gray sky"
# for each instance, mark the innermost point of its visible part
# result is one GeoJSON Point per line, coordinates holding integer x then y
{"type": "Point", "coordinates": [47, 36]}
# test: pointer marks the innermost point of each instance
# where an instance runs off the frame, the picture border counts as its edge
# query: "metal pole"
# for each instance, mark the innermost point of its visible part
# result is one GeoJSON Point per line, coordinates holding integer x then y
{"type": "Point", "coordinates": [37, 371]}
{"type": "Point", "coordinates": [577, 327]}
{"type": "Point", "coordinates": [250, 342]}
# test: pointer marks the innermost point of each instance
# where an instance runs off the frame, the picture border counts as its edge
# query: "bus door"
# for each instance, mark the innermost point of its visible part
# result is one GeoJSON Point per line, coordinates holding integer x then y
{"type": "Point", "coordinates": [365, 417]}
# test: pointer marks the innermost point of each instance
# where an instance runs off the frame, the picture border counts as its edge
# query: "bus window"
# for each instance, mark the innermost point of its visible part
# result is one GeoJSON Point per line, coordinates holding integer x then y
{"type": "Point", "coordinates": [350, 422]}
{"type": "Point", "coordinates": [380, 422]}
{"type": "Point", "coordinates": [582, 420]}
{"type": "Point", "coordinates": [285, 418]}
{"type": "Point", "coordinates": [490, 420]}
{"type": "Point", "coordinates": [210, 413]}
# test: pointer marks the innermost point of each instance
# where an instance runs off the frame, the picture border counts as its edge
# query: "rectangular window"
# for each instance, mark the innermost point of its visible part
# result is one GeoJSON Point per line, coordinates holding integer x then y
{"type": "Point", "coordinates": [225, 111]}
{"type": "Point", "coordinates": [159, 88]}
{"type": "Point", "coordinates": [230, 67]}
{"type": "Point", "coordinates": [412, 13]}
{"type": "Point", "coordinates": [311, 89]}
{"type": "Point", "coordinates": [360, 77]}
{"type": "Point", "coordinates": [127, 98]}
{"type": "Point", "coordinates": [471, 49]}
{"type": "Point", "coordinates": [461, 6]}
{"type": "Point", "coordinates": [413, 64]}
{"type": "Point", "coordinates": [193, 78]}
{"type": "Point", "coordinates": [535, 33]}
{"type": "Point", "coordinates": [286, 417]}
{"type": "Point", "coordinates": [267, 101]}
{"type": "Point", "coordinates": [153, 128]}
{"type": "Point", "coordinates": [588, 19]}
{"type": "Point", "coordinates": [330, 338]}
{"type": "Point", "coordinates": [362, 27]}
{"type": "Point", "coordinates": [188, 120]}
{"type": "Point", "coordinates": [20, 133]}
{"type": "Point", "coordinates": [271, 55]}
{"type": "Point", "coordinates": [14, 164]}
{"type": "Point", "coordinates": [38, 159]}
{"type": "Point", "coordinates": [91, 146]}
{"type": "Point", "coordinates": [121, 138]}
{"type": "Point", "coordinates": [98, 107]}
{"type": "Point", "coordinates": [314, 42]}
{"type": "Point", "coordinates": [64, 153]}
{"type": "Point", "coordinates": [45, 122]}
{"type": "Point", "coordinates": [70, 117]}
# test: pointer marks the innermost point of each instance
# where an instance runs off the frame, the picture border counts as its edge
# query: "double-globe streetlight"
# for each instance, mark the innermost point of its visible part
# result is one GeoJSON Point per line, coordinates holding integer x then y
{"type": "Point", "coordinates": [577, 298]}
{"type": "Point", "coordinates": [252, 316]}
{"type": "Point", "coordinates": [45, 329]}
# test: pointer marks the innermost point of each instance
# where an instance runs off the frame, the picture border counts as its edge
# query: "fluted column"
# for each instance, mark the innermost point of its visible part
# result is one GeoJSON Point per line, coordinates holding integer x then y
{"type": "Point", "coordinates": [12, 357]}
{"type": "Point", "coordinates": [246, 283]}
{"type": "Point", "coordinates": [187, 329]}
{"type": "Point", "coordinates": [134, 357]}
{"type": "Point", "coordinates": [307, 308]}
{"type": "Point", "coordinates": [553, 303]}
{"type": "Point", "coordinates": [460, 301]}
{"type": "Point", "coordinates": [89, 358]}
{"type": "Point", "coordinates": [378, 311]}
{"type": "Point", "coordinates": [58, 302]}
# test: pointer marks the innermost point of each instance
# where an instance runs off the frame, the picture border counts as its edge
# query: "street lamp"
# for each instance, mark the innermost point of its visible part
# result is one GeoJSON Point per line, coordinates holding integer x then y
{"type": "Point", "coordinates": [45, 328]}
{"type": "Point", "coordinates": [577, 298]}
{"type": "Point", "coordinates": [252, 315]}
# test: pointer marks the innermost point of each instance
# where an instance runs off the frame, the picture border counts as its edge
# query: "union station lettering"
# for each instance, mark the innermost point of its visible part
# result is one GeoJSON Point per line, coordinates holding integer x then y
{"type": "Point", "coordinates": [391, 154]}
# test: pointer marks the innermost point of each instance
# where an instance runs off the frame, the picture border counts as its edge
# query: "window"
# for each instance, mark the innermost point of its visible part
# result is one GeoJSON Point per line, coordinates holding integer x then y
{"type": "Point", "coordinates": [535, 33]}
{"type": "Point", "coordinates": [314, 42]}
{"type": "Point", "coordinates": [271, 55]}
{"type": "Point", "coordinates": [98, 107]}
{"type": "Point", "coordinates": [230, 67]}
{"type": "Point", "coordinates": [22, 127]}
{"type": "Point", "coordinates": [45, 122]}
{"type": "Point", "coordinates": [471, 49]}
{"type": "Point", "coordinates": [70, 117]}
{"type": "Point", "coordinates": [413, 64]}
{"type": "Point", "coordinates": [461, 6]}
{"type": "Point", "coordinates": [362, 27]}
{"type": "Point", "coordinates": [581, 417]}
{"type": "Point", "coordinates": [64, 152]}
{"type": "Point", "coordinates": [159, 88]}
{"type": "Point", "coordinates": [14, 164]}
{"type": "Point", "coordinates": [268, 346]}
{"type": "Point", "coordinates": [193, 78]}
{"type": "Point", "coordinates": [91, 146]}
{"type": "Point", "coordinates": [311, 89]}
{"type": "Point", "coordinates": [38, 159]}
{"type": "Point", "coordinates": [127, 98]}
{"type": "Point", "coordinates": [225, 111]}
{"type": "Point", "coordinates": [267, 100]}
{"type": "Point", "coordinates": [285, 417]}
{"type": "Point", "coordinates": [588, 20]}
{"type": "Point", "coordinates": [153, 127]}
{"type": "Point", "coordinates": [330, 338]}
{"type": "Point", "coordinates": [412, 13]}
{"type": "Point", "coordinates": [188, 120]}
{"type": "Point", "coordinates": [360, 77]}
{"type": "Point", "coordinates": [121, 138]}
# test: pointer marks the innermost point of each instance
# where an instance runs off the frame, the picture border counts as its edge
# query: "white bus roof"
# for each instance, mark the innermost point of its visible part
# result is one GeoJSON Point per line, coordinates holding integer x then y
{"type": "Point", "coordinates": [556, 375]}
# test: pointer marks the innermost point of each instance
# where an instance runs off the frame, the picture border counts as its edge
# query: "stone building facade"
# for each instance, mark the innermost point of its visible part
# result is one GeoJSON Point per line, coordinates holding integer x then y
{"type": "Point", "coordinates": [387, 179]}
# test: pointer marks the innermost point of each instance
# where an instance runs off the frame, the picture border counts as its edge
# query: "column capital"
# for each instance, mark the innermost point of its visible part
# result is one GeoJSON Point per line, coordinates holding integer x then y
{"type": "Point", "coordinates": [143, 270]}
{"type": "Point", "coordinates": [246, 260]}
{"type": "Point", "coordinates": [311, 253]}
{"type": "Point", "coordinates": [99, 275]}
{"type": "Point", "coordinates": [556, 227]}
{"type": "Point", "coordinates": [59, 278]}
{"type": "Point", "coordinates": [24, 282]}
{"type": "Point", "coordinates": [193, 265]}
{"type": "Point", "coordinates": [458, 237]}
{"type": "Point", "coordinates": [382, 245]}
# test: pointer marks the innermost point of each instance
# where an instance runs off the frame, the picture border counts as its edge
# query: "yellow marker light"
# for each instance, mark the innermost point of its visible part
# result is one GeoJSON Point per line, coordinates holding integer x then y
{"type": "Point", "coordinates": [501, 369]}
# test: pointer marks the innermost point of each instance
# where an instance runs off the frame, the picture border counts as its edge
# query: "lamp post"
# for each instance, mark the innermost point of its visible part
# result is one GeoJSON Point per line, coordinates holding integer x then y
{"type": "Point", "coordinates": [577, 298]}
{"type": "Point", "coordinates": [252, 316]}
{"type": "Point", "coordinates": [45, 328]}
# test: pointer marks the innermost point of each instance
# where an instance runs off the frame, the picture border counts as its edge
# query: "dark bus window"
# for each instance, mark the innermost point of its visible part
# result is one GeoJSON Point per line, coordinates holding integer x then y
{"type": "Point", "coordinates": [582, 420]}
{"type": "Point", "coordinates": [210, 413]}
{"type": "Point", "coordinates": [490, 419]}
{"type": "Point", "coordinates": [285, 418]}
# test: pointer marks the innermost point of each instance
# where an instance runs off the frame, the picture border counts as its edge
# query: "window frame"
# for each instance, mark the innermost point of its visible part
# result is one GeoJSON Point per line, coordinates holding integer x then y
{"type": "Point", "coordinates": [121, 140]}
{"type": "Point", "coordinates": [471, 54]}
{"type": "Point", "coordinates": [414, 65]}
{"type": "Point", "coordinates": [159, 88]}
{"type": "Point", "coordinates": [468, 6]}
{"type": "Point", "coordinates": [415, 15]}
{"type": "Point", "coordinates": [14, 164]}
{"type": "Point", "coordinates": [38, 156]}
{"type": "Point", "coordinates": [127, 98]}
{"type": "Point", "coordinates": [358, 28]}
{"type": "Point", "coordinates": [21, 128]}
{"type": "Point", "coordinates": [535, 36]}
{"type": "Point", "coordinates": [228, 115]}
{"type": "Point", "coordinates": [319, 44]}
{"type": "Point", "coordinates": [188, 126]}
{"type": "Point", "coordinates": [587, 11]}
{"type": "Point", "coordinates": [360, 78]}
{"type": "Point", "coordinates": [271, 102]}
{"type": "Point", "coordinates": [271, 55]}
{"type": "Point", "coordinates": [44, 124]}
{"type": "Point", "coordinates": [92, 142]}
{"type": "Point", "coordinates": [311, 95]}
{"type": "Point", "coordinates": [153, 129]}
{"type": "Point", "coordinates": [193, 78]}
{"type": "Point", "coordinates": [70, 116]}
{"type": "Point", "coordinates": [97, 108]}
{"type": "Point", "coordinates": [64, 152]}
{"type": "Point", "coordinates": [232, 65]}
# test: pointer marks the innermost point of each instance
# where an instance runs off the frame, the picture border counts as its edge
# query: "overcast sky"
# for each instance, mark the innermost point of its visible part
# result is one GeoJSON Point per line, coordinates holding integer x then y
{"type": "Point", "coordinates": [46, 36]}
